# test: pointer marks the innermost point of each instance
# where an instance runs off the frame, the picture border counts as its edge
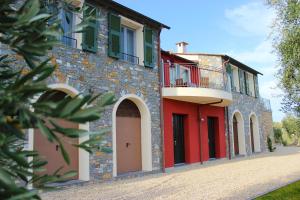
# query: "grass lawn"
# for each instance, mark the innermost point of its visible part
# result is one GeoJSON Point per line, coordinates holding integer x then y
{"type": "Point", "coordinates": [289, 192]}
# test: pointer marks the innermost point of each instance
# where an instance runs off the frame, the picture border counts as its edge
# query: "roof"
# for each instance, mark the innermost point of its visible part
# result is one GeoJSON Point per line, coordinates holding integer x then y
{"type": "Point", "coordinates": [231, 60]}
{"type": "Point", "coordinates": [129, 13]}
{"type": "Point", "coordinates": [178, 57]}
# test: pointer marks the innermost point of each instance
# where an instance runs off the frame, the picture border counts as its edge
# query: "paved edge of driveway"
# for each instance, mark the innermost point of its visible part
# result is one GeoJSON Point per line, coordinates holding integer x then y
{"type": "Point", "coordinates": [276, 188]}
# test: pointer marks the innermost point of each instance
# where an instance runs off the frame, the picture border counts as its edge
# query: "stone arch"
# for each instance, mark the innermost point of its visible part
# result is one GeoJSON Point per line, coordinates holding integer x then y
{"type": "Point", "coordinates": [241, 131]}
{"type": "Point", "coordinates": [83, 156]}
{"type": "Point", "coordinates": [254, 127]}
{"type": "Point", "coordinates": [146, 144]}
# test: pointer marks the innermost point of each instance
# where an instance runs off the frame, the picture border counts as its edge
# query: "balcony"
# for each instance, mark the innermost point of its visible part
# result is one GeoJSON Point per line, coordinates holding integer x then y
{"type": "Point", "coordinates": [194, 84]}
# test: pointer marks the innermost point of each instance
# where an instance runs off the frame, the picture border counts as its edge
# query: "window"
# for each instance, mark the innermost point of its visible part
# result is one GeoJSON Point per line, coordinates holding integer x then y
{"type": "Point", "coordinates": [185, 74]}
{"type": "Point", "coordinates": [128, 45]}
{"type": "Point", "coordinates": [67, 23]}
{"type": "Point", "coordinates": [172, 74]}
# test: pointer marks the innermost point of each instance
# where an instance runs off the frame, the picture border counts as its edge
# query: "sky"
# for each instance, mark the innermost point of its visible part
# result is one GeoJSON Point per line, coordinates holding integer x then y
{"type": "Point", "coordinates": [239, 28]}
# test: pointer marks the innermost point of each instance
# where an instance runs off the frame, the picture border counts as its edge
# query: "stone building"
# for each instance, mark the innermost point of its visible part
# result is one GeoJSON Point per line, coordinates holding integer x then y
{"type": "Point", "coordinates": [119, 53]}
{"type": "Point", "coordinates": [246, 113]}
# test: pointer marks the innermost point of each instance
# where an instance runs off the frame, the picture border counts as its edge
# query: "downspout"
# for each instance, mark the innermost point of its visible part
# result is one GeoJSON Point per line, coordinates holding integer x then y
{"type": "Point", "coordinates": [199, 130]}
{"type": "Point", "coordinates": [228, 134]}
{"type": "Point", "coordinates": [227, 120]}
{"type": "Point", "coordinates": [160, 78]}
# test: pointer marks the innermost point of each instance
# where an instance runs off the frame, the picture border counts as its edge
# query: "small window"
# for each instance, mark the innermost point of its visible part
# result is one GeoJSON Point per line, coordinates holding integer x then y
{"type": "Point", "coordinates": [128, 40]}
{"type": "Point", "coordinates": [185, 74]}
{"type": "Point", "coordinates": [67, 25]}
{"type": "Point", "coordinates": [172, 75]}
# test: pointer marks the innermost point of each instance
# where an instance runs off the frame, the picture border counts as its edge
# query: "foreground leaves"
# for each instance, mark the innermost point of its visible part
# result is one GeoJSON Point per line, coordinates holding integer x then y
{"type": "Point", "coordinates": [25, 32]}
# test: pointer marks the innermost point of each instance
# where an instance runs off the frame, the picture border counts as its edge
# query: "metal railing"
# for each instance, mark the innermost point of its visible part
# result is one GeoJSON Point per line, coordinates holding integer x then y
{"type": "Point", "coordinates": [266, 103]}
{"type": "Point", "coordinates": [69, 41]}
{"type": "Point", "coordinates": [187, 75]}
{"type": "Point", "coordinates": [129, 58]}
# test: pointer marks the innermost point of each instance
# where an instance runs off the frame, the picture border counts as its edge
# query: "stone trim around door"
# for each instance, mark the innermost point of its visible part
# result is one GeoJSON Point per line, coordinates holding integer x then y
{"type": "Point", "coordinates": [84, 163]}
{"type": "Point", "coordinates": [146, 143]}
{"type": "Point", "coordinates": [241, 132]}
{"type": "Point", "coordinates": [256, 134]}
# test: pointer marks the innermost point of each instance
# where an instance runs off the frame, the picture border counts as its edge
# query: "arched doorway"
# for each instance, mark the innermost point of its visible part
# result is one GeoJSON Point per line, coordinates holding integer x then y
{"type": "Point", "coordinates": [254, 133]}
{"type": "Point", "coordinates": [50, 151]}
{"type": "Point", "coordinates": [238, 134]}
{"type": "Point", "coordinates": [145, 121]}
{"type": "Point", "coordinates": [128, 127]}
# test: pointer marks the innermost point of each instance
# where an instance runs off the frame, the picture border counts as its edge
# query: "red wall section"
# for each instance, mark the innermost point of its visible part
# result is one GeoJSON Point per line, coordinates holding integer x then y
{"type": "Point", "coordinates": [191, 137]}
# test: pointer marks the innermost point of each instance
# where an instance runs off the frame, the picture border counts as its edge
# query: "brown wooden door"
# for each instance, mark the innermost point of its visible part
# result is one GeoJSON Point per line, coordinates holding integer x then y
{"type": "Point", "coordinates": [236, 136]}
{"type": "Point", "coordinates": [251, 133]}
{"type": "Point", "coordinates": [128, 144]}
{"type": "Point", "coordinates": [128, 131]}
{"type": "Point", "coordinates": [50, 151]}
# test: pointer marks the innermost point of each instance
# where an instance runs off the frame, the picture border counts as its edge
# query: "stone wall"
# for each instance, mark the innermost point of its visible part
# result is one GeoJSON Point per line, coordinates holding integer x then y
{"type": "Point", "coordinates": [267, 122]}
{"type": "Point", "coordinates": [97, 72]}
{"type": "Point", "coordinates": [246, 105]}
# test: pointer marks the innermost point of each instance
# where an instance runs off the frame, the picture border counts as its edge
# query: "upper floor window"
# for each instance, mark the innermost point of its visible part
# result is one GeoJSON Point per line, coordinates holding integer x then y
{"type": "Point", "coordinates": [67, 25]}
{"type": "Point", "coordinates": [128, 42]}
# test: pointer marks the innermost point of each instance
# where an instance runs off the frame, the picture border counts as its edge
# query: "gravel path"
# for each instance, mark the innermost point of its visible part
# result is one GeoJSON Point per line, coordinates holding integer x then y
{"type": "Point", "coordinates": [241, 178]}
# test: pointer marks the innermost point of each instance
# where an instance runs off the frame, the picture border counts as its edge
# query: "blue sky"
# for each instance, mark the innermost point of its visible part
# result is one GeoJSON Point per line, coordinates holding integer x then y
{"type": "Point", "coordinates": [239, 28]}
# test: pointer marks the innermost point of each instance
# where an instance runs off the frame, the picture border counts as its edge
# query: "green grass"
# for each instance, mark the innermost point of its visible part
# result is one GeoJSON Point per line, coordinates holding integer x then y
{"type": "Point", "coordinates": [289, 192]}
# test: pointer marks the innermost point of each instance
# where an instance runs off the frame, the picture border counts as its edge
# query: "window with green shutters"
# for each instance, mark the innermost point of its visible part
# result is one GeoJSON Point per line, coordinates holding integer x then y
{"type": "Point", "coordinates": [256, 88]}
{"type": "Point", "coordinates": [114, 33]}
{"type": "Point", "coordinates": [149, 60]}
{"type": "Point", "coordinates": [89, 36]}
{"type": "Point", "coordinates": [242, 81]}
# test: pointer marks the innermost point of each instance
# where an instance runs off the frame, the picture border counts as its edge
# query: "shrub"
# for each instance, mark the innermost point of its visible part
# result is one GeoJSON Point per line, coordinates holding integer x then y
{"type": "Point", "coordinates": [270, 144]}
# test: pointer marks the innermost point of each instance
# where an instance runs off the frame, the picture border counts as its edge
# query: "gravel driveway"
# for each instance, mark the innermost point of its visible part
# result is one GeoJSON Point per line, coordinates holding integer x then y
{"type": "Point", "coordinates": [241, 178]}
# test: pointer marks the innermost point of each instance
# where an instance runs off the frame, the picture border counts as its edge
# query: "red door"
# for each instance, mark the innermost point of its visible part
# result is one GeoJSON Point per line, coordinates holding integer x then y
{"type": "Point", "coordinates": [251, 133]}
{"type": "Point", "coordinates": [236, 136]}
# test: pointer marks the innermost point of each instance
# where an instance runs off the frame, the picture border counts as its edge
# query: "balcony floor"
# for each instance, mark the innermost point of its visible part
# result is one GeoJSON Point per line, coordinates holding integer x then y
{"type": "Point", "coordinates": [198, 95]}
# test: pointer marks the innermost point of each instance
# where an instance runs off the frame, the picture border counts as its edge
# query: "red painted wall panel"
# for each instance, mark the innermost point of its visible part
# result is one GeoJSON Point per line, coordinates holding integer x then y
{"type": "Point", "coordinates": [192, 140]}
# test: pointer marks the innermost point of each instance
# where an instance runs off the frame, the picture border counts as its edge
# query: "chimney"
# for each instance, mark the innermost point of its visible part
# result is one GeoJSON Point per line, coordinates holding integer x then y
{"type": "Point", "coordinates": [181, 47]}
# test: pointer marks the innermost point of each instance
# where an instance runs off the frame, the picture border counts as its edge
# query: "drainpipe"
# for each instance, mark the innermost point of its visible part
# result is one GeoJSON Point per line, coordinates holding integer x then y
{"type": "Point", "coordinates": [199, 130]}
{"type": "Point", "coordinates": [228, 134]}
{"type": "Point", "coordinates": [227, 116]}
{"type": "Point", "coordinates": [160, 78]}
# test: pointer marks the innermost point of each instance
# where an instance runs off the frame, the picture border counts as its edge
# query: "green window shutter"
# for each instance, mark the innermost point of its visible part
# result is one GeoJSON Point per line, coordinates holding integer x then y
{"type": "Point", "coordinates": [90, 33]}
{"type": "Point", "coordinates": [247, 83]}
{"type": "Point", "coordinates": [256, 88]}
{"type": "Point", "coordinates": [114, 34]}
{"type": "Point", "coordinates": [148, 47]}
{"type": "Point", "coordinates": [230, 74]}
{"type": "Point", "coordinates": [241, 81]}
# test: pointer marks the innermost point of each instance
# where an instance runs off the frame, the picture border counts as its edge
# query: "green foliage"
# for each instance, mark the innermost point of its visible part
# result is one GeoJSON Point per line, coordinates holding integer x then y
{"type": "Point", "coordinates": [287, 44]}
{"type": "Point", "coordinates": [25, 30]}
{"type": "Point", "coordinates": [277, 129]}
{"type": "Point", "coordinates": [289, 192]}
{"type": "Point", "coordinates": [270, 144]}
{"type": "Point", "coordinates": [292, 125]}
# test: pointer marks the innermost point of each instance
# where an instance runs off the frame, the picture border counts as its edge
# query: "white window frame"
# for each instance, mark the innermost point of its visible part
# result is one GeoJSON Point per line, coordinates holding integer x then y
{"type": "Point", "coordinates": [73, 24]}
{"type": "Point", "coordinates": [124, 36]}
{"type": "Point", "coordinates": [188, 70]}
{"type": "Point", "coordinates": [139, 37]}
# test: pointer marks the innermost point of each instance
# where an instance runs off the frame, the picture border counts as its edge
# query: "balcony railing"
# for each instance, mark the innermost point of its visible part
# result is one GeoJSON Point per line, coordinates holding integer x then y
{"type": "Point", "coordinates": [186, 75]}
{"type": "Point", "coordinates": [69, 41]}
{"type": "Point", "coordinates": [266, 104]}
{"type": "Point", "coordinates": [130, 58]}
